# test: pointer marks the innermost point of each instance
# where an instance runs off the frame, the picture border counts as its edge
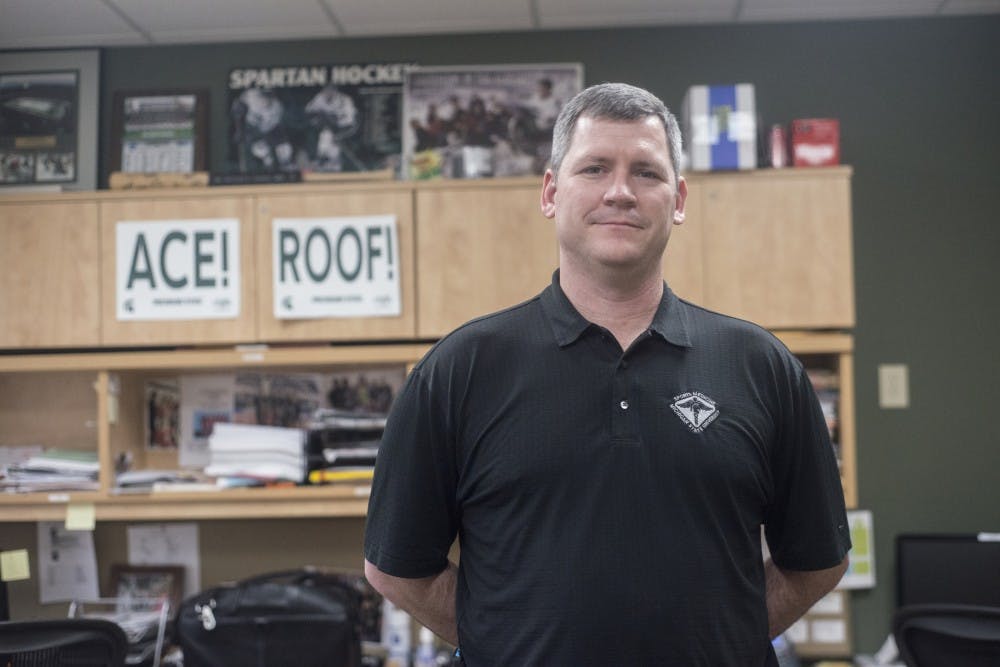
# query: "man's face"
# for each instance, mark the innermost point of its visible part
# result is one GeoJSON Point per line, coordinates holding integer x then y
{"type": "Point", "coordinates": [616, 196]}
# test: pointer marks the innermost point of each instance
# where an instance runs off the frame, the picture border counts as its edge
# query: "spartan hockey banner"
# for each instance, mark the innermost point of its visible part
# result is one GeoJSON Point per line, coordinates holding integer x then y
{"type": "Point", "coordinates": [325, 118]}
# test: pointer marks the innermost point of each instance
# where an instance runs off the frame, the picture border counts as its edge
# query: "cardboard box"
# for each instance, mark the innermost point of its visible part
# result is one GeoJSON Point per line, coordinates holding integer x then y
{"type": "Point", "coordinates": [720, 127]}
{"type": "Point", "coordinates": [815, 142]}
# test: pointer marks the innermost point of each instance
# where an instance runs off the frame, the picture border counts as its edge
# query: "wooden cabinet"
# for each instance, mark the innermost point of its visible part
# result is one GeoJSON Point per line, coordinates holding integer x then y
{"type": "Point", "coordinates": [176, 207]}
{"type": "Point", "coordinates": [683, 263]}
{"type": "Point", "coordinates": [773, 247]}
{"type": "Point", "coordinates": [481, 247]}
{"type": "Point", "coordinates": [49, 267]}
{"type": "Point", "coordinates": [776, 246]}
{"type": "Point", "coordinates": [394, 199]}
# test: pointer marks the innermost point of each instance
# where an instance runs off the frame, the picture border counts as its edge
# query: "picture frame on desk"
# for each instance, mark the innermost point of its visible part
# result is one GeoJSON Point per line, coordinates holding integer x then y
{"type": "Point", "coordinates": [159, 131]}
{"type": "Point", "coordinates": [48, 120]}
{"type": "Point", "coordinates": [134, 586]}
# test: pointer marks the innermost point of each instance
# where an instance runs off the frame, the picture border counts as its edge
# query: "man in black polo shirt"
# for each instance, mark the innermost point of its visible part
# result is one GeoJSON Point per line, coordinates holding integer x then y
{"type": "Point", "coordinates": [606, 452]}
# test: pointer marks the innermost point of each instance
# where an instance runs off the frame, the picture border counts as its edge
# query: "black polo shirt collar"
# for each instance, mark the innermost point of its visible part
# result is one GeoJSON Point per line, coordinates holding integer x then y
{"type": "Point", "coordinates": [670, 321]}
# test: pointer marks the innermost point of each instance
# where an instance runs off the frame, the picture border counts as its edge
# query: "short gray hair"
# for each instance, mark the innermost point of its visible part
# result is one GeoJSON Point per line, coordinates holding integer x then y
{"type": "Point", "coordinates": [614, 101]}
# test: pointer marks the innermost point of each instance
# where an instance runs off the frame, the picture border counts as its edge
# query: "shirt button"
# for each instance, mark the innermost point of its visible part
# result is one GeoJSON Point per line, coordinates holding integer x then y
{"type": "Point", "coordinates": [624, 405]}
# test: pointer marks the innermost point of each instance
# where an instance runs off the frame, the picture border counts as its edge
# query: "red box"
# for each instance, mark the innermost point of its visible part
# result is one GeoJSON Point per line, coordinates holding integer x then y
{"type": "Point", "coordinates": [815, 142]}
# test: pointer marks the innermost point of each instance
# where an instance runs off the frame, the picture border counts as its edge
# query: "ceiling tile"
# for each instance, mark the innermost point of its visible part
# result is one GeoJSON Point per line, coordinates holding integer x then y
{"type": "Point", "coordinates": [57, 23]}
{"type": "Point", "coordinates": [223, 20]}
{"type": "Point", "coordinates": [27, 24]}
{"type": "Point", "coordinates": [600, 13]}
{"type": "Point", "coordinates": [370, 17]}
{"type": "Point", "coordinates": [806, 10]}
{"type": "Point", "coordinates": [972, 7]}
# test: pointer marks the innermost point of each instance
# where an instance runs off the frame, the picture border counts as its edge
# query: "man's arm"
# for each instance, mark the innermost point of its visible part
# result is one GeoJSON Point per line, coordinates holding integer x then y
{"type": "Point", "coordinates": [430, 600]}
{"type": "Point", "coordinates": [790, 593]}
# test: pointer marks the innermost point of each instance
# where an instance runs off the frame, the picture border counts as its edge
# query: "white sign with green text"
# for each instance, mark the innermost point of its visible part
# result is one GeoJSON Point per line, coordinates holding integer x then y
{"type": "Point", "coordinates": [336, 267]}
{"type": "Point", "coordinates": [177, 269]}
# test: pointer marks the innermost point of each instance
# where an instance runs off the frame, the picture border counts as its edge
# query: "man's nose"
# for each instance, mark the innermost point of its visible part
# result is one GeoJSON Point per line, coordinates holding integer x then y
{"type": "Point", "coordinates": [619, 192]}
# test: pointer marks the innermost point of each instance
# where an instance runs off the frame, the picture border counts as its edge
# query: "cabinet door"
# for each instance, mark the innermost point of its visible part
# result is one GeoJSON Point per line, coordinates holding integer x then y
{"type": "Point", "coordinates": [178, 332]}
{"type": "Point", "coordinates": [387, 199]}
{"type": "Point", "coordinates": [480, 248]}
{"type": "Point", "coordinates": [777, 247]}
{"type": "Point", "coordinates": [49, 271]}
{"type": "Point", "coordinates": [683, 266]}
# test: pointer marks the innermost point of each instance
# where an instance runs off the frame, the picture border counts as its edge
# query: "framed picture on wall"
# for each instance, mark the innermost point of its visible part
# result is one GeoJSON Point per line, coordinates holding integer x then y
{"type": "Point", "coordinates": [48, 120]}
{"type": "Point", "coordinates": [483, 121]}
{"type": "Point", "coordinates": [159, 131]}
{"type": "Point", "coordinates": [320, 119]}
{"type": "Point", "coordinates": [146, 586]}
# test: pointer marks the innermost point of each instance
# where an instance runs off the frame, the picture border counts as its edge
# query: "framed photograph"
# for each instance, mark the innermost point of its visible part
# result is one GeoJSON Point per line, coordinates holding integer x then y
{"type": "Point", "coordinates": [315, 118]}
{"type": "Point", "coordinates": [483, 121]}
{"type": "Point", "coordinates": [48, 120]}
{"type": "Point", "coordinates": [141, 586]}
{"type": "Point", "coordinates": [159, 131]}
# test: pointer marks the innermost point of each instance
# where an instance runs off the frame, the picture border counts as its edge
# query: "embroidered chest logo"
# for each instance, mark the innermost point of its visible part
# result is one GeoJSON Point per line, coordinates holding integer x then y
{"type": "Point", "coordinates": [695, 409]}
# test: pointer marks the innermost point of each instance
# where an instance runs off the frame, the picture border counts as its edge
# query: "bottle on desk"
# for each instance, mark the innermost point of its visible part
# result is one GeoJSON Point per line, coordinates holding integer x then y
{"type": "Point", "coordinates": [396, 631]}
{"type": "Point", "coordinates": [426, 653]}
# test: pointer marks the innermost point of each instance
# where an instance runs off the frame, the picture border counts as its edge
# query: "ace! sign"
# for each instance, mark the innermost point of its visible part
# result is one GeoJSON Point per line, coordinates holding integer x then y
{"type": "Point", "coordinates": [336, 267]}
{"type": "Point", "coordinates": [177, 269]}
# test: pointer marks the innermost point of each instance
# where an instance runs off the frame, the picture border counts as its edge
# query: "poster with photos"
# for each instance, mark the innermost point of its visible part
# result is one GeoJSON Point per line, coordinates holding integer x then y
{"type": "Point", "coordinates": [483, 121]}
{"type": "Point", "coordinates": [285, 399]}
{"type": "Point", "coordinates": [38, 127]}
{"type": "Point", "coordinates": [315, 118]}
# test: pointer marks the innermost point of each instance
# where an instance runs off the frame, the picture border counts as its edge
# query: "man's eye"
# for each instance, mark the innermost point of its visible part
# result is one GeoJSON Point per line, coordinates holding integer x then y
{"type": "Point", "coordinates": [593, 169]}
{"type": "Point", "coordinates": [647, 173]}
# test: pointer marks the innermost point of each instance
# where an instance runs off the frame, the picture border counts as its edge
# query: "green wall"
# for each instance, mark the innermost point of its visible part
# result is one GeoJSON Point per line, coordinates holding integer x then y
{"type": "Point", "coordinates": [919, 105]}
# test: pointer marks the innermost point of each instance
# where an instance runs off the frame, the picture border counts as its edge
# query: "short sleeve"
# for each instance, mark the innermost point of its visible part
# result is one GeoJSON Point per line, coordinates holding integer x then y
{"type": "Point", "coordinates": [806, 524]}
{"type": "Point", "coordinates": [412, 516]}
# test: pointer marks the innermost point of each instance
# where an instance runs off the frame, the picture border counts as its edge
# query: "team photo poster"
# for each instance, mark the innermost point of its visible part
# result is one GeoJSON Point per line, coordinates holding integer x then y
{"type": "Point", "coordinates": [483, 121]}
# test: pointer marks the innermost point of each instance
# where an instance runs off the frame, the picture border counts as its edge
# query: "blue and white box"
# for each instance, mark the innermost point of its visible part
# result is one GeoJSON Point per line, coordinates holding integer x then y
{"type": "Point", "coordinates": [720, 127]}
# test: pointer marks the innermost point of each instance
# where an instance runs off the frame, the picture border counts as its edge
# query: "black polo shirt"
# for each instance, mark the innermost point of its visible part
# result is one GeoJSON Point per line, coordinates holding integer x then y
{"type": "Point", "coordinates": [608, 503]}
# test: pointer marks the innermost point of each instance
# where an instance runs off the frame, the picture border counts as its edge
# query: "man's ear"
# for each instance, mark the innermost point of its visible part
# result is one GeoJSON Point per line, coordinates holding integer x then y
{"type": "Point", "coordinates": [549, 194]}
{"type": "Point", "coordinates": [681, 199]}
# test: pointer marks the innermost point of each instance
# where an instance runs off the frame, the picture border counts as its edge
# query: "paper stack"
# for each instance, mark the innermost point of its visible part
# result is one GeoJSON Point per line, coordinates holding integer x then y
{"type": "Point", "coordinates": [265, 453]}
{"type": "Point", "coordinates": [48, 470]}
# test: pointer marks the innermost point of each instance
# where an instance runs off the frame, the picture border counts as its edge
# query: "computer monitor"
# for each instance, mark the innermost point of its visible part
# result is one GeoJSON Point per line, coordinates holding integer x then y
{"type": "Point", "coordinates": [948, 569]}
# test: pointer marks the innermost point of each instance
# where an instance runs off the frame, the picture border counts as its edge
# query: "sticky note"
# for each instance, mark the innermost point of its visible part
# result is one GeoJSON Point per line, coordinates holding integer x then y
{"type": "Point", "coordinates": [14, 565]}
{"type": "Point", "coordinates": [80, 516]}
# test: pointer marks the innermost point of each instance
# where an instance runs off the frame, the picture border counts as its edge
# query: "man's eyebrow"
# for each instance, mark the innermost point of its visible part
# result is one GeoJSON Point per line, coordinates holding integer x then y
{"type": "Point", "coordinates": [648, 164]}
{"type": "Point", "coordinates": [594, 157]}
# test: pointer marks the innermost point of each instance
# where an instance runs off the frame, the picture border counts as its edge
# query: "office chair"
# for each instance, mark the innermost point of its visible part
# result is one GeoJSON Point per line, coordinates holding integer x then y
{"type": "Point", "coordinates": [946, 635]}
{"type": "Point", "coordinates": [67, 642]}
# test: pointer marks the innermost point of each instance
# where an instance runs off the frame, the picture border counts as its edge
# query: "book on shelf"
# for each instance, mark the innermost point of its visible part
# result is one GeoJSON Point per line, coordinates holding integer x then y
{"type": "Point", "coordinates": [345, 474]}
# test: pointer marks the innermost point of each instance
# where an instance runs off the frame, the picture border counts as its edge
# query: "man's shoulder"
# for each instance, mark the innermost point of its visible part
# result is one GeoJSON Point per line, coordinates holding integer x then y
{"type": "Point", "coordinates": [733, 334]}
{"type": "Point", "coordinates": [490, 334]}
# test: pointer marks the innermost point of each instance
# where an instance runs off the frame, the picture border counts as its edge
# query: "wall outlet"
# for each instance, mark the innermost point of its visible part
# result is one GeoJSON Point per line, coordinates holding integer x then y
{"type": "Point", "coordinates": [893, 386]}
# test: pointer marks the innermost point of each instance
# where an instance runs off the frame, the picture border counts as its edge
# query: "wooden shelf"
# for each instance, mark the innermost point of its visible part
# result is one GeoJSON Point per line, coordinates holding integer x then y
{"type": "Point", "coordinates": [317, 501]}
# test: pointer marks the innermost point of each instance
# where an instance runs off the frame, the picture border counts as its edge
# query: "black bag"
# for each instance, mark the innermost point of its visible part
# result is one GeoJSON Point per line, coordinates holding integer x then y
{"type": "Point", "coordinates": [298, 618]}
